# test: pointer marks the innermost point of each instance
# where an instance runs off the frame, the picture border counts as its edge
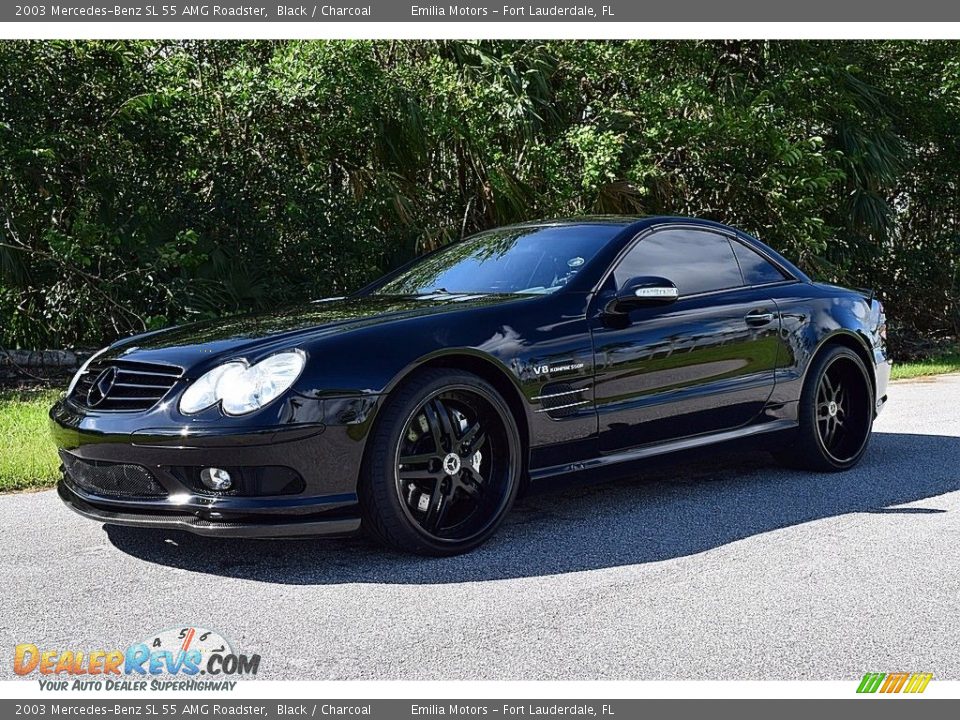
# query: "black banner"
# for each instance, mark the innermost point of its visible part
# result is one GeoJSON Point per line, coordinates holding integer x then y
{"type": "Point", "coordinates": [873, 708]}
{"type": "Point", "coordinates": [581, 11]}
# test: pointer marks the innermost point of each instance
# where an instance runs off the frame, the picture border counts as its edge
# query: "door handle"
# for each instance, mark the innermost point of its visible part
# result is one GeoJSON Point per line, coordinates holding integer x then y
{"type": "Point", "coordinates": [759, 317]}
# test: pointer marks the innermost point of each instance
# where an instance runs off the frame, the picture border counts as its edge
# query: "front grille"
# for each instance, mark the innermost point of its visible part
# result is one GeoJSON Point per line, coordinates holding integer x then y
{"type": "Point", "coordinates": [111, 479]}
{"type": "Point", "coordinates": [128, 385]}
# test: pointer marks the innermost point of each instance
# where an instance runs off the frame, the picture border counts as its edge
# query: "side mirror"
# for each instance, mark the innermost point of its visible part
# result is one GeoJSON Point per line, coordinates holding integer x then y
{"type": "Point", "coordinates": [643, 292]}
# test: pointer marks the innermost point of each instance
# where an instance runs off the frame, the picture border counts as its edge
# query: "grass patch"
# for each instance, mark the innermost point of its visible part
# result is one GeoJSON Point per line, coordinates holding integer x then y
{"type": "Point", "coordinates": [936, 365]}
{"type": "Point", "coordinates": [28, 457]}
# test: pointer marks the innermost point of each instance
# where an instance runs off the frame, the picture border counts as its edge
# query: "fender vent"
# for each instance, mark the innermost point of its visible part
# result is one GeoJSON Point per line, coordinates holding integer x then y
{"type": "Point", "coordinates": [560, 400]}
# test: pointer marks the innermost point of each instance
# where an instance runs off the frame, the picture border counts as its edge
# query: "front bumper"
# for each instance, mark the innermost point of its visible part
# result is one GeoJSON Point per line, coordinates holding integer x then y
{"type": "Point", "coordinates": [196, 523]}
{"type": "Point", "coordinates": [296, 480]}
{"type": "Point", "coordinates": [881, 369]}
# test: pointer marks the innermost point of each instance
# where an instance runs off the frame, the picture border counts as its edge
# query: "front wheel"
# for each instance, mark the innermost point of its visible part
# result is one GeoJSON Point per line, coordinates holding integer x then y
{"type": "Point", "coordinates": [836, 414]}
{"type": "Point", "coordinates": [443, 465]}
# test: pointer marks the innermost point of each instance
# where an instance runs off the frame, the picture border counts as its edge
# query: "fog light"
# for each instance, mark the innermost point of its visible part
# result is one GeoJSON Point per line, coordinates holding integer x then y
{"type": "Point", "coordinates": [216, 478]}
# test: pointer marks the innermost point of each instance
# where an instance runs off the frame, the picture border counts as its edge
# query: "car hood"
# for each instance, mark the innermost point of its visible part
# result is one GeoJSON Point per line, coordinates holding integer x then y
{"type": "Point", "coordinates": [188, 345]}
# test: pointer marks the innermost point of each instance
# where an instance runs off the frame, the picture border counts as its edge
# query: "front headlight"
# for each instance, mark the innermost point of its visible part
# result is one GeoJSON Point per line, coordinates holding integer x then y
{"type": "Point", "coordinates": [241, 389]}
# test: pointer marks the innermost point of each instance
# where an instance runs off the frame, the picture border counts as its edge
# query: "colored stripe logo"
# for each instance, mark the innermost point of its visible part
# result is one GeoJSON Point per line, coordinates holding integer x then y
{"type": "Point", "coordinates": [894, 682]}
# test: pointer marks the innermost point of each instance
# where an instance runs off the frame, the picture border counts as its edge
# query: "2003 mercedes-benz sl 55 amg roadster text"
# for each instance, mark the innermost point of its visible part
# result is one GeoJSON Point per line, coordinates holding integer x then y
{"type": "Point", "coordinates": [419, 406]}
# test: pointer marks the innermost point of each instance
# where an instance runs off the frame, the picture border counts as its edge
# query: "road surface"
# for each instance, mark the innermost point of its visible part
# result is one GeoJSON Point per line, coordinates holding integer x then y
{"type": "Point", "coordinates": [737, 570]}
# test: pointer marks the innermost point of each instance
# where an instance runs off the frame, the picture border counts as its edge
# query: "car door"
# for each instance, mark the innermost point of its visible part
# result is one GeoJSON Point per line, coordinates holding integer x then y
{"type": "Point", "coordinates": [703, 363]}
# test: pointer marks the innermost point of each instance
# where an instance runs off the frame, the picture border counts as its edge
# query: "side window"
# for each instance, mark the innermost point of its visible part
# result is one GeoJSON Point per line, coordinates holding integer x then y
{"type": "Point", "coordinates": [696, 261]}
{"type": "Point", "coordinates": [756, 269]}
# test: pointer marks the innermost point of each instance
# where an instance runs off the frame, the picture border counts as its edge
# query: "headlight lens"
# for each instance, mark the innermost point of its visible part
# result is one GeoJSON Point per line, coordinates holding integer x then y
{"type": "Point", "coordinates": [241, 389]}
{"type": "Point", "coordinates": [210, 387]}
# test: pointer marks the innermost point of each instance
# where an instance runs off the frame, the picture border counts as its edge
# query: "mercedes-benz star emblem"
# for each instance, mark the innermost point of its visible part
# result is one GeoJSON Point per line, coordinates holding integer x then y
{"type": "Point", "coordinates": [451, 464]}
{"type": "Point", "coordinates": [101, 387]}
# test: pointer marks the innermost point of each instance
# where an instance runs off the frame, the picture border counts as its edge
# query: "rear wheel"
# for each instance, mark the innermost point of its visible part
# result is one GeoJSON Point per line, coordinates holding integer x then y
{"type": "Point", "coordinates": [443, 466]}
{"type": "Point", "coordinates": [836, 413]}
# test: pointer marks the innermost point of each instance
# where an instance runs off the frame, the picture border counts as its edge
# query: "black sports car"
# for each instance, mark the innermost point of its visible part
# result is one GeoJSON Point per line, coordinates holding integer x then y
{"type": "Point", "coordinates": [420, 405]}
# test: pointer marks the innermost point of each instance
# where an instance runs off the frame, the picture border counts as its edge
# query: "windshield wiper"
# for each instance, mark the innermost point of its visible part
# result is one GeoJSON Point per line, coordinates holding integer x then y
{"type": "Point", "coordinates": [435, 291]}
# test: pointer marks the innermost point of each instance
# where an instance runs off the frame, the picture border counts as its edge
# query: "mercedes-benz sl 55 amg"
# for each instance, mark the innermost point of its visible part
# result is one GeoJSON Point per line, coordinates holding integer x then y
{"type": "Point", "coordinates": [419, 406]}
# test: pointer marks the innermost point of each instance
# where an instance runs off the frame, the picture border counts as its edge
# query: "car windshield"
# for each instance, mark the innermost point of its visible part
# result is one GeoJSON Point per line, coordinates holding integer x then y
{"type": "Point", "coordinates": [532, 260]}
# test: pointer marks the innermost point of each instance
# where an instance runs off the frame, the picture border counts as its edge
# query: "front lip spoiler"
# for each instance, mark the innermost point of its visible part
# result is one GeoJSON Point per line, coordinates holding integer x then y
{"type": "Point", "coordinates": [191, 523]}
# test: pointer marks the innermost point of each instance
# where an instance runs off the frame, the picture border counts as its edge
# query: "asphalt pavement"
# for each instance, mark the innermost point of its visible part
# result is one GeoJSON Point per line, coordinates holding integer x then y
{"type": "Point", "coordinates": [730, 569]}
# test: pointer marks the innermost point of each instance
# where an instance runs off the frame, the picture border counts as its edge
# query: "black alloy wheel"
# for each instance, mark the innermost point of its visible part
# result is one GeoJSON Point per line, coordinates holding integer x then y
{"type": "Point", "coordinates": [453, 465]}
{"type": "Point", "coordinates": [836, 413]}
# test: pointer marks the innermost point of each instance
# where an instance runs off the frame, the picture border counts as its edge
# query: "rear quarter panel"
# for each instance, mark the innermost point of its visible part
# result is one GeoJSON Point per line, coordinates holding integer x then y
{"type": "Point", "coordinates": [813, 314]}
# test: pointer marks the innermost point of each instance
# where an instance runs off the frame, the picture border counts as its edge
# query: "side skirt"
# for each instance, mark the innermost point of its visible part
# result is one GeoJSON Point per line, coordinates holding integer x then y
{"type": "Point", "coordinates": [687, 443]}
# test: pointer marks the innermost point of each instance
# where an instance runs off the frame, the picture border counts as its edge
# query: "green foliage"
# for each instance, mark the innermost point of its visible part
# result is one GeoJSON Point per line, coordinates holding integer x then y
{"type": "Point", "coordinates": [145, 183]}
{"type": "Point", "coordinates": [948, 362]}
{"type": "Point", "coordinates": [27, 457]}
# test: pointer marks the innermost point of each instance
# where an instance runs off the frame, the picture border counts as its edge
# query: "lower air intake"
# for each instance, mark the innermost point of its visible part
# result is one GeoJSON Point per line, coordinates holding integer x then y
{"type": "Point", "coordinates": [111, 479]}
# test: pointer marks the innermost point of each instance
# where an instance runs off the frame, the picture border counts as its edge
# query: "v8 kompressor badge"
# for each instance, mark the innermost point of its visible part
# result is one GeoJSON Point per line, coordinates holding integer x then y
{"type": "Point", "coordinates": [547, 369]}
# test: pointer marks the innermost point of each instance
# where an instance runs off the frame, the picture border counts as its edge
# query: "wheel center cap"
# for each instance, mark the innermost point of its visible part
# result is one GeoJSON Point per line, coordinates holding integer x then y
{"type": "Point", "coordinates": [832, 408]}
{"type": "Point", "coordinates": [451, 464]}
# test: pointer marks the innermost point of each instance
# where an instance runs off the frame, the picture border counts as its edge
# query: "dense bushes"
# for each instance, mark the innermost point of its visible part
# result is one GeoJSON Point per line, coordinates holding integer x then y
{"type": "Point", "coordinates": [146, 183]}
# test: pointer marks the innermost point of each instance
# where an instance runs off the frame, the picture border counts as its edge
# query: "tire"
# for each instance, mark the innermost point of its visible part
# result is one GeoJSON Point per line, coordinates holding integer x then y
{"type": "Point", "coordinates": [462, 470]}
{"type": "Point", "coordinates": [835, 414]}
